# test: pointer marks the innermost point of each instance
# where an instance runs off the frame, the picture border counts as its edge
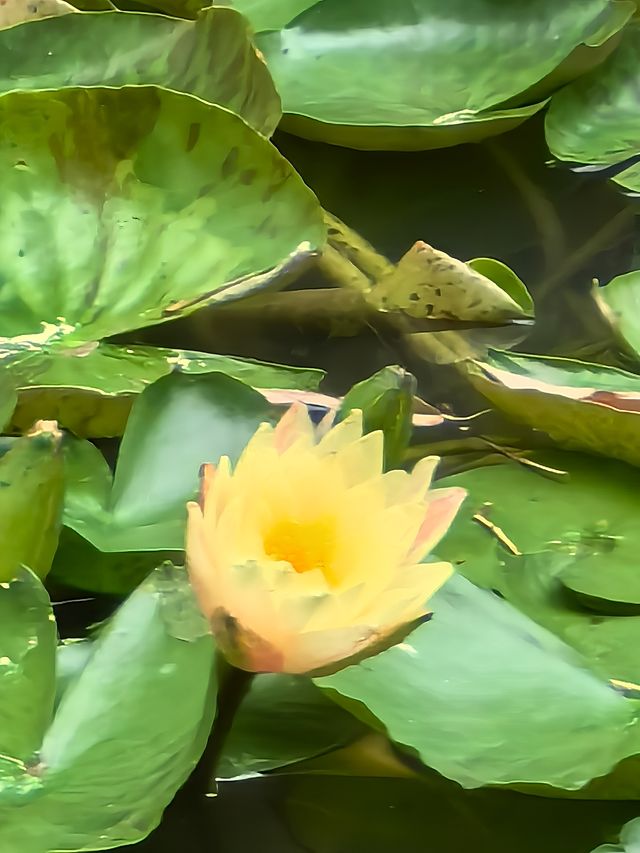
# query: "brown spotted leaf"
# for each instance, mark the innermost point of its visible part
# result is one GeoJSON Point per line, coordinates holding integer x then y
{"type": "Point", "coordinates": [429, 284]}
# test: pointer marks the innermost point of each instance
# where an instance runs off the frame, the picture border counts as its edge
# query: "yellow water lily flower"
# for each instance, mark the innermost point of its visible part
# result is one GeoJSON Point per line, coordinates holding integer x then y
{"type": "Point", "coordinates": [306, 555]}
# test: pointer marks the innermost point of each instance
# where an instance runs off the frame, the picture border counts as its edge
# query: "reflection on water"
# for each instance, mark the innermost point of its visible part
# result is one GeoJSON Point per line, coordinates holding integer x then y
{"type": "Point", "coordinates": [324, 814]}
{"type": "Point", "coordinates": [558, 231]}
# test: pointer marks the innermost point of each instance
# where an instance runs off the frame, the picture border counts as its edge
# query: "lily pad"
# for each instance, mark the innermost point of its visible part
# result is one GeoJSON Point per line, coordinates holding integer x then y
{"type": "Point", "coordinates": [128, 731]}
{"type": "Point", "coordinates": [284, 719]}
{"type": "Point", "coordinates": [174, 204]}
{"type": "Point", "coordinates": [386, 400]}
{"type": "Point", "coordinates": [178, 423]}
{"type": "Point", "coordinates": [90, 390]}
{"type": "Point", "coordinates": [596, 119]}
{"type": "Point", "coordinates": [619, 302]}
{"type": "Point", "coordinates": [211, 57]}
{"type": "Point", "coordinates": [418, 75]}
{"type": "Point", "coordinates": [79, 564]}
{"type": "Point", "coordinates": [581, 406]}
{"type": "Point", "coordinates": [485, 696]}
{"type": "Point", "coordinates": [31, 498]}
{"type": "Point", "coordinates": [27, 657]}
{"type": "Point", "coordinates": [429, 284]}
{"type": "Point", "coordinates": [538, 538]}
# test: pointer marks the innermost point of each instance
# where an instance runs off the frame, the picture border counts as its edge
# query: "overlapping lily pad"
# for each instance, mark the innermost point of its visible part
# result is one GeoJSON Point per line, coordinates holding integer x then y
{"type": "Point", "coordinates": [177, 424]}
{"type": "Point", "coordinates": [27, 654]}
{"type": "Point", "coordinates": [485, 696]}
{"type": "Point", "coordinates": [417, 75]}
{"type": "Point", "coordinates": [581, 406]}
{"type": "Point", "coordinates": [596, 119]}
{"type": "Point", "coordinates": [127, 731]}
{"type": "Point", "coordinates": [90, 389]}
{"type": "Point", "coordinates": [211, 57]}
{"type": "Point", "coordinates": [619, 303]}
{"type": "Point", "coordinates": [172, 203]}
{"type": "Point", "coordinates": [562, 547]}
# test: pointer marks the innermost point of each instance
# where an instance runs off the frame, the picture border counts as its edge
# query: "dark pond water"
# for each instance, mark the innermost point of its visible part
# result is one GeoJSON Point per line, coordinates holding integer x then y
{"type": "Point", "coordinates": [558, 231]}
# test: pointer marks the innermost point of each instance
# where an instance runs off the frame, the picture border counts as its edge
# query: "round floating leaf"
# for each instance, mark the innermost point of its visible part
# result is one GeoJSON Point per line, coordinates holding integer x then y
{"type": "Point", "coordinates": [596, 119]}
{"type": "Point", "coordinates": [172, 203]}
{"type": "Point", "coordinates": [585, 523]}
{"type": "Point", "coordinates": [211, 57]}
{"type": "Point", "coordinates": [129, 729]}
{"type": "Point", "coordinates": [27, 666]}
{"type": "Point", "coordinates": [581, 406]}
{"type": "Point", "coordinates": [485, 696]}
{"type": "Point", "coordinates": [418, 74]}
{"type": "Point", "coordinates": [284, 719]}
{"type": "Point", "coordinates": [177, 424]}
{"type": "Point", "coordinates": [90, 390]}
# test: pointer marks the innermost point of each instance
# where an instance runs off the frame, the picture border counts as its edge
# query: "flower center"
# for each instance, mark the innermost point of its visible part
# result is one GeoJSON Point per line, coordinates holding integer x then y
{"type": "Point", "coordinates": [306, 545]}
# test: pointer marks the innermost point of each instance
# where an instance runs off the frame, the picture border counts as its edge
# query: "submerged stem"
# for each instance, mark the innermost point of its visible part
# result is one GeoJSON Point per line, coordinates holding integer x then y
{"type": "Point", "coordinates": [234, 685]}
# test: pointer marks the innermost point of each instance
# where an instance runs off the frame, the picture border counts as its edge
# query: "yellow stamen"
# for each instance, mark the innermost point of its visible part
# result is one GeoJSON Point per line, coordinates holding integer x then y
{"type": "Point", "coordinates": [306, 545]}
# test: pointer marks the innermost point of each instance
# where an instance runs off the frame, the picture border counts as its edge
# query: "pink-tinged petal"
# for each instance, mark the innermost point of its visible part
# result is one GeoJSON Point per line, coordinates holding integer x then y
{"type": "Point", "coordinates": [441, 509]}
{"type": "Point", "coordinates": [293, 426]}
{"type": "Point", "coordinates": [242, 647]}
{"type": "Point", "coordinates": [200, 564]}
{"type": "Point", "coordinates": [207, 475]}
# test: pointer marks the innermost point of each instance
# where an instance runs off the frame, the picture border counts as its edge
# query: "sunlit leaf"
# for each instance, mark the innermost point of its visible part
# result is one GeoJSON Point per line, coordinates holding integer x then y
{"type": "Point", "coordinates": [128, 730]}
{"type": "Point", "coordinates": [27, 656]}
{"type": "Point", "coordinates": [596, 119]}
{"type": "Point", "coordinates": [416, 75]}
{"type": "Point", "coordinates": [90, 390]}
{"type": "Point", "coordinates": [429, 284]}
{"type": "Point", "coordinates": [173, 204]}
{"type": "Point", "coordinates": [31, 497]}
{"type": "Point", "coordinates": [211, 57]}
{"type": "Point", "coordinates": [177, 424]}
{"type": "Point", "coordinates": [531, 711]}
{"type": "Point", "coordinates": [581, 406]}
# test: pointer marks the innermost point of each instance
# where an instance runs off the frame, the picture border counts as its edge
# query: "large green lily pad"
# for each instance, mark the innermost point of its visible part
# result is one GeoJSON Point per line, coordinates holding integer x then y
{"type": "Point", "coordinates": [90, 389]}
{"type": "Point", "coordinates": [172, 203]}
{"type": "Point", "coordinates": [485, 696]}
{"type": "Point", "coordinates": [412, 75]}
{"type": "Point", "coordinates": [177, 424]}
{"type": "Point", "coordinates": [596, 119]}
{"type": "Point", "coordinates": [211, 57]}
{"type": "Point", "coordinates": [562, 548]}
{"type": "Point", "coordinates": [127, 732]}
{"type": "Point", "coordinates": [31, 498]}
{"type": "Point", "coordinates": [27, 655]}
{"type": "Point", "coordinates": [581, 406]}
